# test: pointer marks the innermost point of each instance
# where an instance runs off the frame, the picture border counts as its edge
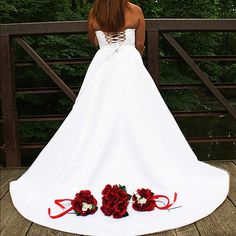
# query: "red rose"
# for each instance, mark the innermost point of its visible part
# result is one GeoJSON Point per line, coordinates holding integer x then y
{"type": "Point", "coordinates": [115, 201]}
{"type": "Point", "coordinates": [143, 200]}
{"type": "Point", "coordinates": [84, 203]}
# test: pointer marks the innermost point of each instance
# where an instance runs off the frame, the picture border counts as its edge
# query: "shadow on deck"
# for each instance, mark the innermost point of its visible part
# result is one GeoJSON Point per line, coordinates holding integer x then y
{"type": "Point", "coordinates": [220, 223]}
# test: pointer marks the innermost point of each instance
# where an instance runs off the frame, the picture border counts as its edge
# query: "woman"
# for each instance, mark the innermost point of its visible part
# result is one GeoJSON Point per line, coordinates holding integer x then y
{"type": "Point", "coordinates": [123, 15]}
{"type": "Point", "coordinates": [119, 148]}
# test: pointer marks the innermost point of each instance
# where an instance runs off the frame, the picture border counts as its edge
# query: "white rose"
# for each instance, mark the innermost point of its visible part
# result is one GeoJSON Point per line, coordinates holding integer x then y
{"type": "Point", "coordinates": [86, 206]}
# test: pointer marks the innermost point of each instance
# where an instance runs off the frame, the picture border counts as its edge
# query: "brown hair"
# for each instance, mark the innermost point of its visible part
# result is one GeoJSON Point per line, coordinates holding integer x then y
{"type": "Point", "coordinates": [110, 14]}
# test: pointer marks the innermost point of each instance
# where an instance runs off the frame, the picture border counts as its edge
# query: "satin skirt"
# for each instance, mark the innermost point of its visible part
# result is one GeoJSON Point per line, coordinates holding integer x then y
{"type": "Point", "coordinates": [119, 131]}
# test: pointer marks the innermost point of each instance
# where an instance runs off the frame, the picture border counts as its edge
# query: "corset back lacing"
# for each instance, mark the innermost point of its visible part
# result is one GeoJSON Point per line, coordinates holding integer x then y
{"type": "Point", "coordinates": [114, 42]}
{"type": "Point", "coordinates": [115, 38]}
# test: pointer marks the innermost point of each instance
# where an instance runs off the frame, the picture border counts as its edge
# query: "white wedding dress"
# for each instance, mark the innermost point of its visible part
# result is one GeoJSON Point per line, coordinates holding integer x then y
{"type": "Point", "coordinates": [119, 131]}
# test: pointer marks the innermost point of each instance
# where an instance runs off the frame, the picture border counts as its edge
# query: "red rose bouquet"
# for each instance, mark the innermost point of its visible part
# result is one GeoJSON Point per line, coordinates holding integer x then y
{"type": "Point", "coordinates": [143, 200]}
{"type": "Point", "coordinates": [84, 203]}
{"type": "Point", "coordinates": [115, 201]}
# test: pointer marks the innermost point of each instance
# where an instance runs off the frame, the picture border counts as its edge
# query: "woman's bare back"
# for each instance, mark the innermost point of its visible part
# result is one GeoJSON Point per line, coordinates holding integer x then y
{"type": "Point", "coordinates": [133, 19]}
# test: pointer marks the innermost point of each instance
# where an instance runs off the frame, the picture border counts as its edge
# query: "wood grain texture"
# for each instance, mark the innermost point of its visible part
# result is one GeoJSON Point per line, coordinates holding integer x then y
{"type": "Point", "coordinates": [164, 233]}
{"type": "Point", "coordinates": [164, 24]}
{"type": "Point", "coordinates": [189, 230]}
{"type": "Point", "coordinates": [36, 229]}
{"type": "Point", "coordinates": [231, 168]}
{"type": "Point", "coordinates": [6, 176]}
{"type": "Point", "coordinates": [8, 103]}
{"type": "Point", "coordinates": [12, 223]}
{"type": "Point", "coordinates": [220, 222]}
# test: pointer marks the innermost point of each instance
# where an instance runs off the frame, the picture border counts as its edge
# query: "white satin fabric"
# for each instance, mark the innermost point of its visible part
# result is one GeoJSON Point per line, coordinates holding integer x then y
{"type": "Point", "coordinates": [119, 131]}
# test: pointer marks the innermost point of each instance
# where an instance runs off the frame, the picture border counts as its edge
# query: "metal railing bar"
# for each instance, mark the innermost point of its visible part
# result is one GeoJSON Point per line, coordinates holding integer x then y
{"type": "Point", "coordinates": [78, 61]}
{"type": "Point", "coordinates": [220, 113]}
{"type": "Point", "coordinates": [42, 118]}
{"type": "Point", "coordinates": [48, 90]}
{"type": "Point", "coordinates": [211, 139]}
{"type": "Point", "coordinates": [57, 27]}
{"type": "Point", "coordinates": [163, 24]}
{"type": "Point", "coordinates": [46, 69]}
{"type": "Point", "coordinates": [65, 61]}
{"type": "Point", "coordinates": [153, 60]}
{"type": "Point", "coordinates": [44, 90]}
{"type": "Point", "coordinates": [59, 117]}
{"type": "Point", "coordinates": [204, 78]}
{"type": "Point", "coordinates": [199, 58]}
{"type": "Point", "coordinates": [188, 25]}
{"type": "Point", "coordinates": [196, 86]}
{"type": "Point", "coordinates": [218, 139]}
{"type": "Point", "coordinates": [8, 103]}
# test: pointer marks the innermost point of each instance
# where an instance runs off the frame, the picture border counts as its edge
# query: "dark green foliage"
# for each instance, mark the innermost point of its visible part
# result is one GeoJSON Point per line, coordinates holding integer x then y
{"type": "Point", "coordinates": [6, 10]}
{"type": "Point", "coordinates": [35, 131]}
{"type": "Point", "coordinates": [225, 8]}
{"type": "Point", "coordinates": [149, 7]}
{"type": "Point", "coordinates": [186, 9]}
{"type": "Point", "coordinates": [31, 10]}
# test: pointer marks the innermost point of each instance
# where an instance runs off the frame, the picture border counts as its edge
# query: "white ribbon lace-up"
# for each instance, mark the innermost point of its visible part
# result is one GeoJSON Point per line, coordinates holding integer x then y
{"type": "Point", "coordinates": [115, 38]}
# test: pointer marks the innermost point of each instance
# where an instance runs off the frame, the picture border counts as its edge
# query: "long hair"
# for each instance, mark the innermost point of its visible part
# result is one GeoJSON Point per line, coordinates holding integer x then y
{"type": "Point", "coordinates": [110, 14]}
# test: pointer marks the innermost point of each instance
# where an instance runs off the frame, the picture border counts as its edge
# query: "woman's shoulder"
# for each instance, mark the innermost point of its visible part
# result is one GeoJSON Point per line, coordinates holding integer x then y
{"type": "Point", "coordinates": [135, 8]}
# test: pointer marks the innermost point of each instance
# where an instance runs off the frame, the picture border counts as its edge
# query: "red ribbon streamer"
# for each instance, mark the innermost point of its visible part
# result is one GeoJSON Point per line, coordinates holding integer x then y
{"type": "Point", "coordinates": [58, 202]}
{"type": "Point", "coordinates": [168, 205]}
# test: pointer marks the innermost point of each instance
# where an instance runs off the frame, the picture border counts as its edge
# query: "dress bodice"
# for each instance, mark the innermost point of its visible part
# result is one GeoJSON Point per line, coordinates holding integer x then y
{"type": "Point", "coordinates": [124, 37]}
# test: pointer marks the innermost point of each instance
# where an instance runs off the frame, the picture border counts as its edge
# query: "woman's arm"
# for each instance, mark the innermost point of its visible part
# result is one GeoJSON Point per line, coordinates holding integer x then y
{"type": "Point", "coordinates": [140, 32]}
{"type": "Point", "coordinates": [91, 32]}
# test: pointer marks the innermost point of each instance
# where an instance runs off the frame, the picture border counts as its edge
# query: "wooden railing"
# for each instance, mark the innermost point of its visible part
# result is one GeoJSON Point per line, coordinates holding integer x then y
{"type": "Point", "coordinates": [154, 28]}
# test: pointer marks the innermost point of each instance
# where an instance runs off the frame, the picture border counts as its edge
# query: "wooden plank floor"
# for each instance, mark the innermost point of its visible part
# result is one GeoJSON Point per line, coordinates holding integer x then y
{"type": "Point", "coordinates": [222, 222]}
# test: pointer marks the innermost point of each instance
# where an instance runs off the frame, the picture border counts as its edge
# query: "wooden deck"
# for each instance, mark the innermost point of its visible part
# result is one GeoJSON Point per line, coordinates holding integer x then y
{"type": "Point", "coordinates": [222, 222]}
